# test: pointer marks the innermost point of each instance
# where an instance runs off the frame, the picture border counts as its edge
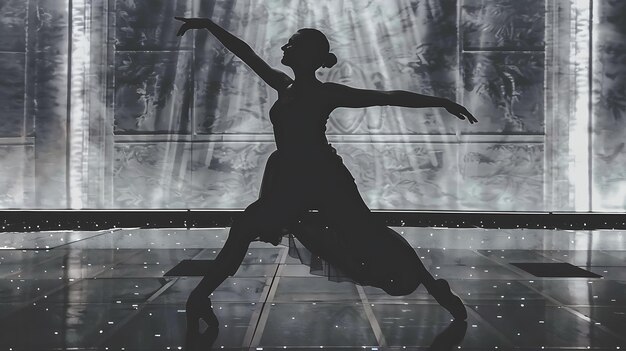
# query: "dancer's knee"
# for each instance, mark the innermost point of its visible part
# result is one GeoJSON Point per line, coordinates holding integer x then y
{"type": "Point", "coordinates": [403, 278]}
{"type": "Point", "coordinates": [256, 219]}
{"type": "Point", "coordinates": [243, 229]}
{"type": "Point", "coordinates": [402, 284]}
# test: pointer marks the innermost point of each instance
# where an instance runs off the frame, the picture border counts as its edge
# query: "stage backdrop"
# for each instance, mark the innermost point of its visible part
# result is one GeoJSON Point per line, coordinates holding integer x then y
{"type": "Point", "coordinates": [104, 107]}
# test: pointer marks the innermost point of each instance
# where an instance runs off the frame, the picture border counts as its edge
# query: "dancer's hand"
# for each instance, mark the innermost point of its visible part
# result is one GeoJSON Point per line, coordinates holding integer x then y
{"type": "Point", "coordinates": [192, 23]}
{"type": "Point", "coordinates": [460, 112]}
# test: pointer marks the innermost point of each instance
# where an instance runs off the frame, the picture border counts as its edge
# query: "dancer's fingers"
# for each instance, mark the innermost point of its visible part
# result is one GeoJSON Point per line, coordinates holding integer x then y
{"type": "Point", "coordinates": [471, 118]}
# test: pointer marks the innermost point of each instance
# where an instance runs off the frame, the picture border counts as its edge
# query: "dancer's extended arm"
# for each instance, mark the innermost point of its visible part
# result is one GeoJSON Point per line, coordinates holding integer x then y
{"type": "Point", "coordinates": [346, 96]}
{"type": "Point", "coordinates": [273, 77]}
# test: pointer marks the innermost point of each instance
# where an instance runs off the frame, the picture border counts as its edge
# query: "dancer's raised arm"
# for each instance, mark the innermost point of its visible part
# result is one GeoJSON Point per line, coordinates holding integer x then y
{"type": "Point", "coordinates": [273, 77]}
{"type": "Point", "coordinates": [346, 96]}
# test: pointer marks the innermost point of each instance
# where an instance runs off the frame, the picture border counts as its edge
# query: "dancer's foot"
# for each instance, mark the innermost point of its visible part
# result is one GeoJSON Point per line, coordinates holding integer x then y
{"type": "Point", "coordinates": [199, 307]}
{"type": "Point", "coordinates": [447, 299]}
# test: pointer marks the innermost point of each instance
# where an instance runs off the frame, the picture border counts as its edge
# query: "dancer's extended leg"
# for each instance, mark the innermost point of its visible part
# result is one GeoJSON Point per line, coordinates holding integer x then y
{"type": "Point", "coordinates": [388, 261]}
{"type": "Point", "coordinates": [198, 304]}
{"type": "Point", "coordinates": [259, 217]}
{"type": "Point", "coordinates": [229, 258]}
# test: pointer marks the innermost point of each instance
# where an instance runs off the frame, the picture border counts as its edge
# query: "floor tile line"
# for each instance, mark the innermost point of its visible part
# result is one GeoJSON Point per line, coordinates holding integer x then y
{"type": "Point", "coordinates": [509, 343]}
{"type": "Point", "coordinates": [256, 314]}
{"type": "Point", "coordinates": [105, 231]}
{"type": "Point", "coordinates": [470, 312]}
{"type": "Point", "coordinates": [257, 333]}
{"type": "Point", "coordinates": [133, 314]}
{"type": "Point", "coordinates": [378, 332]}
{"type": "Point", "coordinates": [96, 233]}
{"type": "Point", "coordinates": [59, 288]}
{"type": "Point", "coordinates": [46, 260]}
{"type": "Point", "coordinates": [143, 305]}
{"type": "Point", "coordinates": [559, 303]}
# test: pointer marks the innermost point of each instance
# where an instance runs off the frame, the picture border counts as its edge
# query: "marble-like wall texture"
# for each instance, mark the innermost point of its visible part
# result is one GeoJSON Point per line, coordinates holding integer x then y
{"type": "Point", "coordinates": [170, 122]}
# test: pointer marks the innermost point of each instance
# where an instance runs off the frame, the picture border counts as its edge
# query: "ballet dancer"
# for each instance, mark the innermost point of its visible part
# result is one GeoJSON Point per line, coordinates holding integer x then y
{"type": "Point", "coordinates": [306, 173]}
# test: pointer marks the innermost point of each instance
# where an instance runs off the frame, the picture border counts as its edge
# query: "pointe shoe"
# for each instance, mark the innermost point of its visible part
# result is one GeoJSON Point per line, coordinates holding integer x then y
{"type": "Point", "coordinates": [448, 300]}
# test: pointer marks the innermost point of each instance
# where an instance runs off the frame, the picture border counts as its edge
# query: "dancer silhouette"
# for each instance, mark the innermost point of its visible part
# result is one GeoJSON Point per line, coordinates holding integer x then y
{"type": "Point", "coordinates": [306, 173]}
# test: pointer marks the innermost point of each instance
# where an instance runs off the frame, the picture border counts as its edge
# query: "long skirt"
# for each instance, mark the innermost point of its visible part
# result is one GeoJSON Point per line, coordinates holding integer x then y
{"type": "Point", "coordinates": [343, 241]}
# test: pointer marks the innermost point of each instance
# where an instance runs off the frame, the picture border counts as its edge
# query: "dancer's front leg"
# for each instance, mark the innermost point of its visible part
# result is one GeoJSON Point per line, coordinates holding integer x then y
{"type": "Point", "coordinates": [226, 263]}
{"type": "Point", "coordinates": [228, 260]}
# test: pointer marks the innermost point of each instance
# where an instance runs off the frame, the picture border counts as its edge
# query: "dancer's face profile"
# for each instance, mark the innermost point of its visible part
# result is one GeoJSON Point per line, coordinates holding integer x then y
{"type": "Point", "coordinates": [290, 50]}
{"type": "Point", "coordinates": [298, 53]}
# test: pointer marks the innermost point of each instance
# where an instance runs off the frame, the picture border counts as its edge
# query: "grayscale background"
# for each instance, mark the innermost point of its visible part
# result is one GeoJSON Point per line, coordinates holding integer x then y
{"type": "Point", "coordinates": [103, 107]}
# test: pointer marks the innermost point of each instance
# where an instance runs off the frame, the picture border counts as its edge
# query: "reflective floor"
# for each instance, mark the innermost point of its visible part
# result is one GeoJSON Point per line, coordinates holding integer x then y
{"type": "Point", "coordinates": [106, 291]}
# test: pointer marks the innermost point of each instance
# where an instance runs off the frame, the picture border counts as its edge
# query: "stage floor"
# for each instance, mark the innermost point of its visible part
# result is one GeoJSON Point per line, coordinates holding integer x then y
{"type": "Point", "coordinates": [107, 290]}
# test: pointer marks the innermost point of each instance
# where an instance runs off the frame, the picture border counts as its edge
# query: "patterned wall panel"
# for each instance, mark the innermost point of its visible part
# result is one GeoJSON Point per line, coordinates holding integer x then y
{"type": "Point", "coordinates": [13, 25]}
{"type": "Point", "coordinates": [152, 175]}
{"type": "Point", "coordinates": [148, 25]}
{"type": "Point", "coordinates": [227, 175]}
{"type": "Point", "coordinates": [12, 66]}
{"type": "Point", "coordinates": [609, 106]}
{"type": "Point", "coordinates": [505, 92]}
{"type": "Point", "coordinates": [152, 92]}
{"type": "Point", "coordinates": [389, 176]}
{"type": "Point", "coordinates": [12, 90]}
{"type": "Point", "coordinates": [17, 176]}
{"type": "Point", "coordinates": [503, 177]}
{"type": "Point", "coordinates": [503, 24]}
{"type": "Point", "coordinates": [229, 97]}
{"type": "Point", "coordinates": [403, 176]}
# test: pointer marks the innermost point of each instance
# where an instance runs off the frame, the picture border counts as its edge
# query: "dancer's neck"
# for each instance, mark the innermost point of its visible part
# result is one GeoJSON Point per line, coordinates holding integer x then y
{"type": "Point", "coordinates": [305, 77]}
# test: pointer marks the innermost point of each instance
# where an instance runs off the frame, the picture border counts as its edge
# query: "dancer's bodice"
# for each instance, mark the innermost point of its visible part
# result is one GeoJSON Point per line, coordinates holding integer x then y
{"type": "Point", "coordinates": [299, 119]}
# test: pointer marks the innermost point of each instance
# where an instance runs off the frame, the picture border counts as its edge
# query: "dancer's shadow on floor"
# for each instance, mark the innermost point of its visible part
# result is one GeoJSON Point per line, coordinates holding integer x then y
{"type": "Point", "coordinates": [450, 337]}
{"type": "Point", "coordinates": [197, 340]}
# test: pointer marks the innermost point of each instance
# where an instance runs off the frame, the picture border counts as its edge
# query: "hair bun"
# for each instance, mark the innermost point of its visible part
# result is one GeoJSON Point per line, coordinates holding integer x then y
{"type": "Point", "coordinates": [330, 60]}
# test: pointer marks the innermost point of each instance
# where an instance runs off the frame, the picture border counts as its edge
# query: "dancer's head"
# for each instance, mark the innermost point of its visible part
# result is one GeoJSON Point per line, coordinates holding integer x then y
{"type": "Point", "coordinates": [308, 48]}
